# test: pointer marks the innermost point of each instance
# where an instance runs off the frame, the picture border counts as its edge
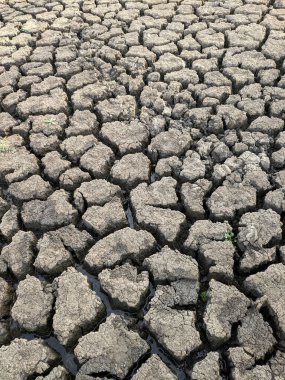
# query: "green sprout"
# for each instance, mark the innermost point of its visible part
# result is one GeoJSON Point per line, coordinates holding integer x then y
{"type": "Point", "coordinates": [4, 145]}
{"type": "Point", "coordinates": [50, 122]}
{"type": "Point", "coordinates": [230, 236]}
{"type": "Point", "coordinates": [204, 296]}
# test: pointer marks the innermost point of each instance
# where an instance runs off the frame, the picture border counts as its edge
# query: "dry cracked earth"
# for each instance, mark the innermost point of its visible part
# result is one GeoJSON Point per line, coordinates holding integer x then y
{"type": "Point", "coordinates": [142, 172]}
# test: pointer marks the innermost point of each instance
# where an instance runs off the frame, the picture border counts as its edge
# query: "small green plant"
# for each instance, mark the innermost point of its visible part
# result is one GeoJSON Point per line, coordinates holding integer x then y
{"type": "Point", "coordinates": [204, 296]}
{"type": "Point", "coordinates": [230, 236]}
{"type": "Point", "coordinates": [4, 145]}
{"type": "Point", "coordinates": [50, 122]}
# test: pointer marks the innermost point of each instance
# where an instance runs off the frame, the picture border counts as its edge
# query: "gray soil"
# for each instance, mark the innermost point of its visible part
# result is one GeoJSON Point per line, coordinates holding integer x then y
{"type": "Point", "coordinates": [142, 189]}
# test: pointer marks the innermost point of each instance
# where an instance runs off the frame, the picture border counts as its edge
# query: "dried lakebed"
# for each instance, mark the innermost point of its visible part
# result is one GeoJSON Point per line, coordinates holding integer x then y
{"type": "Point", "coordinates": [142, 189]}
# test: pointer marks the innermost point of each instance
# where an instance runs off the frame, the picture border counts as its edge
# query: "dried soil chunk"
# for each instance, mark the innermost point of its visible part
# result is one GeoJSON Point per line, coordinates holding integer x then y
{"type": "Point", "coordinates": [29, 357]}
{"type": "Point", "coordinates": [130, 170]}
{"type": "Point", "coordinates": [169, 143]}
{"type": "Point", "coordinates": [255, 335]}
{"type": "Point", "coordinates": [192, 196]}
{"type": "Point", "coordinates": [6, 294]}
{"type": "Point", "coordinates": [168, 63]}
{"type": "Point", "coordinates": [174, 329]}
{"type": "Point", "coordinates": [72, 178]}
{"type": "Point", "coordinates": [98, 160]}
{"type": "Point", "coordinates": [55, 212]}
{"type": "Point", "coordinates": [74, 240]}
{"type": "Point", "coordinates": [270, 283]}
{"type": "Point", "coordinates": [33, 305]}
{"type": "Point", "coordinates": [53, 257]}
{"type": "Point", "coordinates": [205, 231]}
{"type": "Point", "coordinates": [4, 207]}
{"type": "Point", "coordinates": [17, 165]}
{"type": "Point", "coordinates": [82, 123]}
{"type": "Point", "coordinates": [10, 223]}
{"type": "Point", "coordinates": [257, 229]}
{"type": "Point", "coordinates": [54, 165]}
{"type": "Point", "coordinates": [207, 368]}
{"type": "Point", "coordinates": [119, 246]}
{"type": "Point", "coordinates": [226, 201]}
{"type": "Point", "coordinates": [122, 108]}
{"type": "Point", "coordinates": [167, 224]}
{"type": "Point", "coordinates": [277, 364]}
{"type": "Point", "coordinates": [160, 193]}
{"type": "Point", "coordinates": [114, 348]}
{"type": "Point", "coordinates": [218, 258]}
{"type": "Point", "coordinates": [105, 219]}
{"type": "Point", "coordinates": [126, 287]}
{"type": "Point", "coordinates": [226, 306]}
{"type": "Point", "coordinates": [54, 103]}
{"type": "Point", "coordinates": [254, 258]}
{"type": "Point", "coordinates": [154, 368]}
{"type": "Point", "coordinates": [95, 193]}
{"type": "Point", "coordinates": [178, 269]}
{"type": "Point", "coordinates": [268, 125]}
{"type": "Point", "coordinates": [57, 373]}
{"type": "Point", "coordinates": [75, 146]}
{"type": "Point", "coordinates": [32, 188]}
{"type": "Point", "coordinates": [19, 254]}
{"type": "Point", "coordinates": [126, 137]}
{"type": "Point", "coordinates": [77, 307]}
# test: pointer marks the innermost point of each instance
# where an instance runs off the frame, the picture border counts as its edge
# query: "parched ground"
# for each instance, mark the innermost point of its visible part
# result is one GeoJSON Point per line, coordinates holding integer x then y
{"type": "Point", "coordinates": [142, 189]}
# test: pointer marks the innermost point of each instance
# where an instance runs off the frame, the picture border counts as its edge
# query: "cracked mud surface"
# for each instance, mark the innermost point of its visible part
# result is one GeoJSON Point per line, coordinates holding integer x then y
{"type": "Point", "coordinates": [142, 189]}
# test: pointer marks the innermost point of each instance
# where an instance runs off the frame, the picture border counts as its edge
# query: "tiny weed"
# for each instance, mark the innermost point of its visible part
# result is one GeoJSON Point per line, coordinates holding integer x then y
{"type": "Point", "coordinates": [23, 30]}
{"type": "Point", "coordinates": [50, 122]}
{"type": "Point", "coordinates": [204, 296]}
{"type": "Point", "coordinates": [4, 145]}
{"type": "Point", "coordinates": [230, 236]}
